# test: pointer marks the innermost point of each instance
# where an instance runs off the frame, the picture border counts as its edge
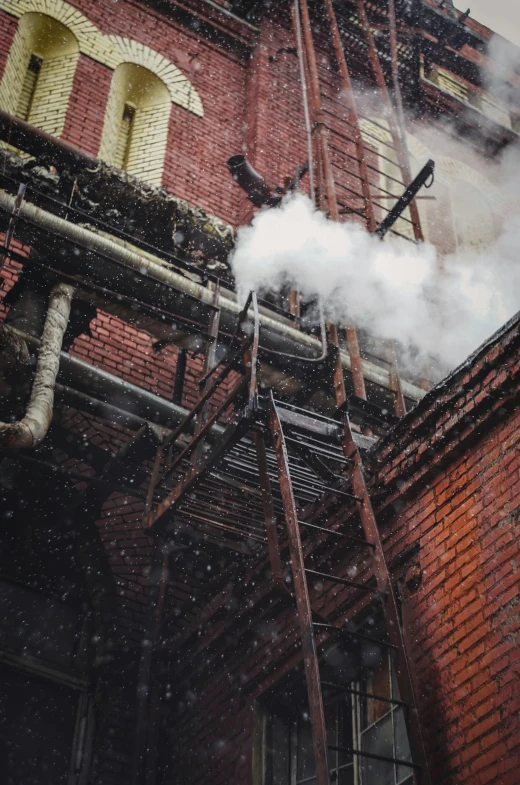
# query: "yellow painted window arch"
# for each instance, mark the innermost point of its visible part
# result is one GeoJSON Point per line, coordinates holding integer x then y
{"type": "Point", "coordinates": [135, 131]}
{"type": "Point", "coordinates": [39, 73]}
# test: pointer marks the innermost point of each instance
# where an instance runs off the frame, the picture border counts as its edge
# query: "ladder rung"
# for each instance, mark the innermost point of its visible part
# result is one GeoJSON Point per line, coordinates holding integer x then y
{"type": "Point", "coordinates": [338, 534]}
{"type": "Point", "coordinates": [362, 694]}
{"type": "Point", "coordinates": [341, 493]}
{"type": "Point", "coordinates": [352, 634]}
{"type": "Point", "coordinates": [345, 582]}
{"type": "Point", "coordinates": [374, 756]}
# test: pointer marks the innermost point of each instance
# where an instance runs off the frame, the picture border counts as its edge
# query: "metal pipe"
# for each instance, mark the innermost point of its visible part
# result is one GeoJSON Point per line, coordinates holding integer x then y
{"type": "Point", "coordinates": [106, 411]}
{"type": "Point", "coordinates": [305, 97]}
{"type": "Point", "coordinates": [258, 191]}
{"type": "Point", "coordinates": [137, 403]}
{"type": "Point", "coordinates": [276, 332]}
{"type": "Point", "coordinates": [34, 141]}
{"type": "Point", "coordinates": [32, 428]}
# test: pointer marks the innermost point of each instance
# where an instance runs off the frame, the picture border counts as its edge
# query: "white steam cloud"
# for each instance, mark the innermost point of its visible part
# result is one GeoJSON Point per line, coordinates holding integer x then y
{"type": "Point", "coordinates": [394, 289]}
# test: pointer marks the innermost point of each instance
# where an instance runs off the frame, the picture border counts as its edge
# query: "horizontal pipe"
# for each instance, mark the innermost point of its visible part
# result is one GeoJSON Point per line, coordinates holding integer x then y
{"type": "Point", "coordinates": [108, 395]}
{"type": "Point", "coordinates": [106, 411]}
{"type": "Point", "coordinates": [34, 141]}
{"type": "Point", "coordinates": [276, 333]}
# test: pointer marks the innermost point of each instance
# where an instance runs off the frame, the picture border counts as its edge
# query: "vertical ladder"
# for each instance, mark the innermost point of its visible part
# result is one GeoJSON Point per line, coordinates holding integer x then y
{"type": "Point", "coordinates": [327, 184]}
{"type": "Point", "coordinates": [309, 626]}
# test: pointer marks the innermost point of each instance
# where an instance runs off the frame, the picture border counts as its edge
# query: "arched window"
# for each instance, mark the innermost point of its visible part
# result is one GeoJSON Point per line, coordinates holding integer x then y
{"type": "Point", "coordinates": [136, 123]}
{"type": "Point", "coordinates": [39, 73]}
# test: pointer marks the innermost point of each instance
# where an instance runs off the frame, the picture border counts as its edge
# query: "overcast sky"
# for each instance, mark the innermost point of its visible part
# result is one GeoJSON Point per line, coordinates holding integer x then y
{"type": "Point", "coordinates": [501, 16]}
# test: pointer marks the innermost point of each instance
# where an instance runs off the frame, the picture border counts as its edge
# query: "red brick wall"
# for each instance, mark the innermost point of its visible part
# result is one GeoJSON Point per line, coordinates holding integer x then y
{"type": "Point", "coordinates": [462, 621]}
{"type": "Point", "coordinates": [197, 147]}
{"type": "Point", "coordinates": [86, 111]}
{"type": "Point", "coordinates": [465, 615]}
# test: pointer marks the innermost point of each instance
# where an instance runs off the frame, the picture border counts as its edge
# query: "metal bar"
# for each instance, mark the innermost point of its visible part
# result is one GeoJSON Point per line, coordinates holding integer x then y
{"type": "Point", "coordinates": [347, 86]}
{"type": "Point", "coordinates": [362, 694]}
{"type": "Point", "coordinates": [338, 534]}
{"type": "Point", "coordinates": [313, 461]}
{"type": "Point", "coordinates": [326, 187]}
{"type": "Point", "coordinates": [199, 405]}
{"type": "Point", "coordinates": [205, 429]}
{"type": "Point", "coordinates": [225, 527]}
{"type": "Point", "coordinates": [231, 435]}
{"type": "Point", "coordinates": [406, 199]}
{"type": "Point", "coordinates": [208, 365]}
{"type": "Point", "coordinates": [395, 379]}
{"type": "Point", "coordinates": [345, 581]}
{"type": "Point", "coordinates": [269, 513]}
{"type": "Point", "coordinates": [384, 584]}
{"type": "Point", "coordinates": [152, 485]}
{"type": "Point", "coordinates": [309, 422]}
{"type": "Point", "coordinates": [310, 657]}
{"type": "Point", "coordinates": [253, 359]}
{"type": "Point", "coordinates": [242, 316]}
{"type": "Point", "coordinates": [399, 144]}
{"type": "Point", "coordinates": [373, 756]}
{"type": "Point", "coordinates": [352, 634]}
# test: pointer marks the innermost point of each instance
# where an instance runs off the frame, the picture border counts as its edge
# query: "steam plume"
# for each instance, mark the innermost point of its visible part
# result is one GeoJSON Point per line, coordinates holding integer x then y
{"type": "Point", "coordinates": [393, 289]}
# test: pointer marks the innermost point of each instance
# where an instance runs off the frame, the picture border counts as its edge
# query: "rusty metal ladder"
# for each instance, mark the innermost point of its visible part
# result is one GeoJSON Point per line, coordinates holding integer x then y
{"type": "Point", "coordinates": [312, 624]}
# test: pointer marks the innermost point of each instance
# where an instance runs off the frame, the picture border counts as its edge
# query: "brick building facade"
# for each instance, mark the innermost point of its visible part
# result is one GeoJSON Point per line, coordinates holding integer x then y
{"type": "Point", "coordinates": [142, 104]}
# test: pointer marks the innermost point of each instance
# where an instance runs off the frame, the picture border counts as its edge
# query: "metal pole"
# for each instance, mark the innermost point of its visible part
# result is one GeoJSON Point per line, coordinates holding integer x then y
{"type": "Point", "coordinates": [301, 591]}
{"type": "Point", "coordinates": [326, 186]}
{"type": "Point", "coordinates": [273, 544]}
{"type": "Point", "coordinates": [352, 339]}
{"type": "Point", "coordinates": [399, 143]}
{"type": "Point", "coordinates": [323, 150]}
{"type": "Point", "coordinates": [384, 585]}
{"type": "Point", "coordinates": [358, 139]}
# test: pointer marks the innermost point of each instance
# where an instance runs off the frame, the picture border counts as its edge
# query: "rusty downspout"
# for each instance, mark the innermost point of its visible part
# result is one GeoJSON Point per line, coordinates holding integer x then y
{"type": "Point", "coordinates": [32, 428]}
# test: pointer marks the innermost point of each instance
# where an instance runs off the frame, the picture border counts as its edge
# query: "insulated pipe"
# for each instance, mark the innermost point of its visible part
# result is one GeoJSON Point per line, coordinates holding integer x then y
{"type": "Point", "coordinates": [32, 429]}
{"type": "Point", "coordinates": [276, 332]}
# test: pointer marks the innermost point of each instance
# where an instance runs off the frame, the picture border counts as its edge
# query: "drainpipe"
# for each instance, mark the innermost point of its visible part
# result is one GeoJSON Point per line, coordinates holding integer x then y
{"type": "Point", "coordinates": [32, 428]}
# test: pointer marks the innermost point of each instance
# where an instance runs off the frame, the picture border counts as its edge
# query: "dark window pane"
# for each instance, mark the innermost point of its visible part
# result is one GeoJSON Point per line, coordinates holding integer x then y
{"type": "Point", "coordinates": [277, 752]}
{"type": "Point", "coordinates": [305, 767]}
{"type": "Point", "coordinates": [402, 748]}
{"type": "Point", "coordinates": [378, 740]}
